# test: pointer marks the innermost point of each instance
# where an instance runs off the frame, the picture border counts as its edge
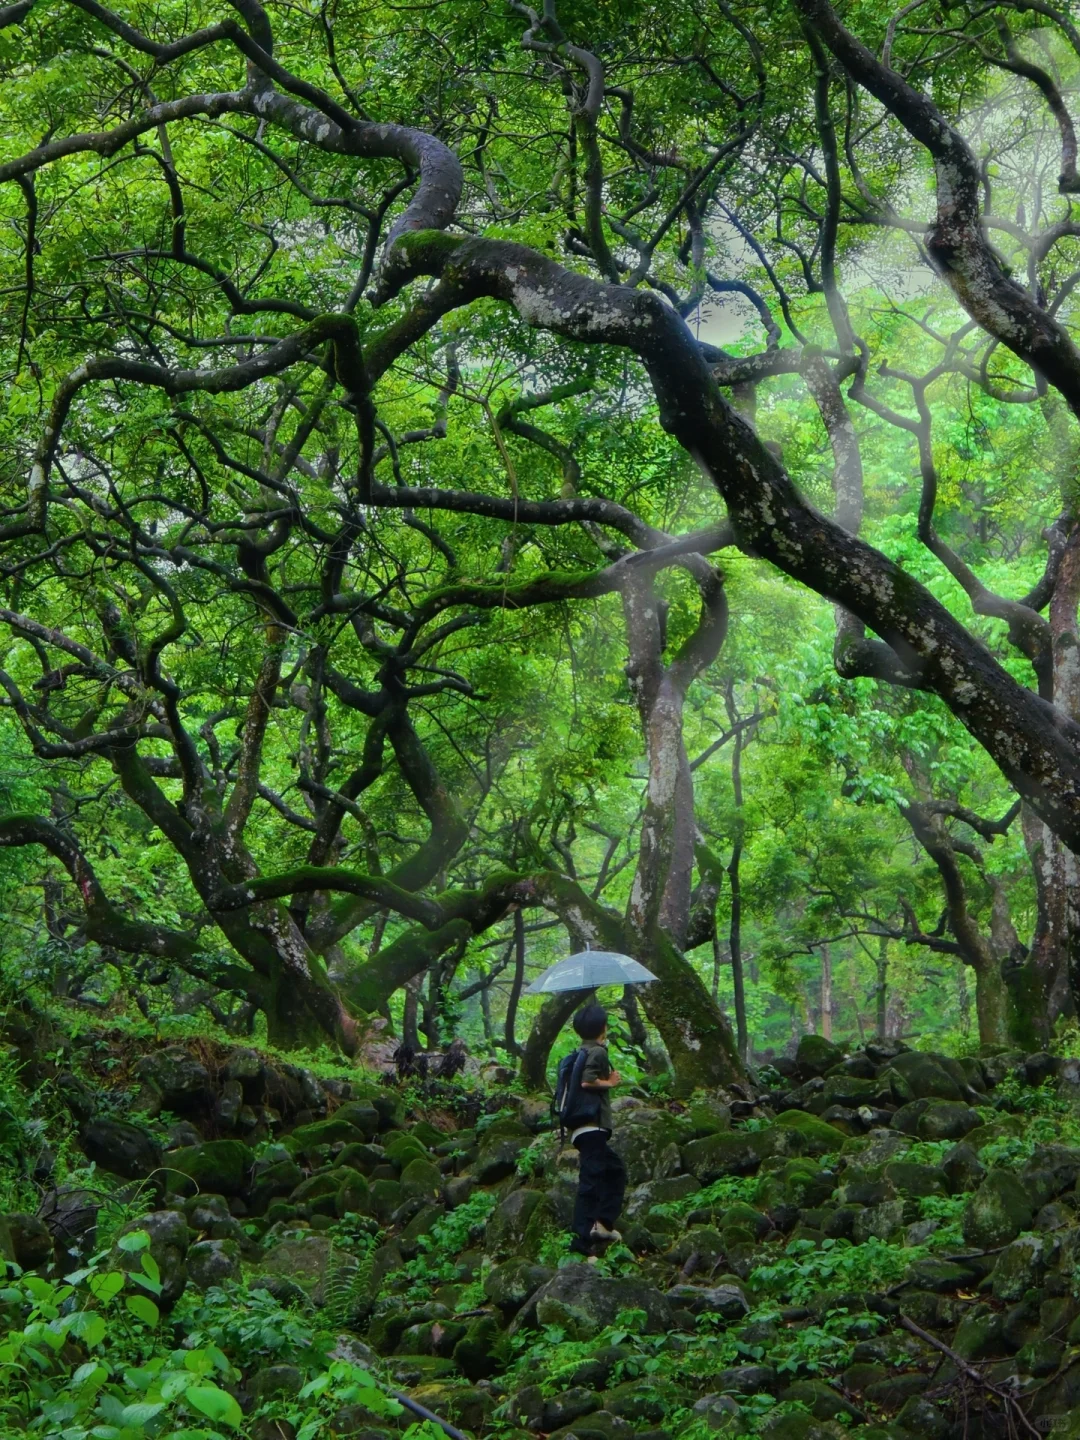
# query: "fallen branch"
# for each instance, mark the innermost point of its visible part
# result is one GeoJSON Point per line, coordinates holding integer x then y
{"type": "Point", "coordinates": [1009, 1402]}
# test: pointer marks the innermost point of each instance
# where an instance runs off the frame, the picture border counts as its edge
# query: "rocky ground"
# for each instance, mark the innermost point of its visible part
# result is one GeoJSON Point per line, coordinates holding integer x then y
{"type": "Point", "coordinates": [879, 1245]}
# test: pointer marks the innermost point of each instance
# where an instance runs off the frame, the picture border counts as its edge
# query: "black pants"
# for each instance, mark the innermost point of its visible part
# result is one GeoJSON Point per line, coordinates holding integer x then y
{"type": "Point", "coordinates": [601, 1186]}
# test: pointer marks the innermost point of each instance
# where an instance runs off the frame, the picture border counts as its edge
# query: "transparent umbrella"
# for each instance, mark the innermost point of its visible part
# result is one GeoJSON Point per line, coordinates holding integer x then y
{"type": "Point", "coordinates": [589, 969]}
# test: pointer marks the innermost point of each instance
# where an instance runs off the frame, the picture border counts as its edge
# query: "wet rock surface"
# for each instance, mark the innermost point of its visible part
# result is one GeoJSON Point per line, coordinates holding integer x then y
{"type": "Point", "coordinates": [821, 1259]}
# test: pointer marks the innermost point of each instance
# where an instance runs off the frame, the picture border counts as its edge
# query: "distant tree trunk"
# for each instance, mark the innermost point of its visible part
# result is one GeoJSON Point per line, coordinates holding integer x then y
{"type": "Point", "coordinates": [1044, 981]}
{"type": "Point", "coordinates": [826, 993]}
{"type": "Point", "coordinates": [963, 998]}
{"type": "Point", "coordinates": [738, 981]}
{"type": "Point", "coordinates": [717, 962]}
{"type": "Point", "coordinates": [485, 1016]}
{"type": "Point", "coordinates": [694, 1030]}
{"type": "Point", "coordinates": [510, 1026]}
{"type": "Point", "coordinates": [882, 988]}
{"type": "Point", "coordinates": [410, 1015]}
{"type": "Point", "coordinates": [975, 950]}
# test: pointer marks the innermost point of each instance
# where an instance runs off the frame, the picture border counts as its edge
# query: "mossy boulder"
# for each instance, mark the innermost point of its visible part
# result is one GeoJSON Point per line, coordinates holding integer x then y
{"type": "Point", "coordinates": [300, 1258]}
{"type": "Point", "coordinates": [1020, 1267]}
{"type": "Point", "coordinates": [498, 1158]}
{"type": "Point", "coordinates": [798, 1182]}
{"type": "Point", "coordinates": [582, 1302]}
{"type": "Point", "coordinates": [361, 1115]}
{"type": "Point", "coordinates": [816, 1055]}
{"type": "Point", "coordinates": [927, 1076]}
{"type": "Point", "coordinates": [222, 1167]}
{"type": "Point", "coordinates": [121, 1148]}
{"type": "Point", "coordinates": [659, 1192]}
{"type": "Point", "coordinates": [904, 1177]}
{"type": "Point", "coordinates": [307, 1139]}
{"type": "Point", "coordinates": [739, 1152]}
{"type": "Point", "coordinates": [997, 1211]}
{"type": "Point", "coordinates": [353, 1195]}
{"type": "Point", "coordinates": [30, 1240]}
{"type": "Point", "coordinates": [647, 1141]}
{"type": "Point", "coordinates": [703, 1241]}
{"type": "Point", "coordinates": [509, 1221]}
{"type": "Point", "coordinates": [402, 1150]}
{"type": "Point", "coordinates": [509, 1285]}
{"type": "Point", "coordinates": [273, 1183]}
{"type": "Point", "coordinates": [462, 1404]}
{"type": "Point", "coordinates": [1008, 1127]}
{"type": "Point", "coordinates": [818, 1136]}
{"type": "Point", "coordinates": [963, 1170]}
{"type": "Point", "coordinates": [213, 1262]}
{"type": "Point", "coordinates": [483, 1351]}
{"type": "Point", "coordinates": [362, 1157]}
{"type": "Point", "coordinates": [947, 1120]}
{"type": "Point", "coordinates": [421, 1179]}
{"type": "Point", "coordinates": [980, 1335]}
{"type": "Point", "coordinates": [706, 1115]}
{"type": "Point", "coordinates": [386, 1196]}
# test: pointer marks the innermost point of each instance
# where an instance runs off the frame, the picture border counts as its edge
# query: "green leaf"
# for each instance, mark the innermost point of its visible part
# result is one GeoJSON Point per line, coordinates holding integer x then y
{"type": "Point", "coordinates": [142, 1412]}
{"type": "Point", "coordinates": [133, 1242]}
{"type": "Point", "coordinates": [87, 1326]}
{"type": "Point", "coordinates": [216, 1404]}
{"type": "Point", "coordinates": [143, 1309]}
{"type": "Point", "coordinates": [151, 1267]}
{"type": "Point", "coordinates": [106, 1287]}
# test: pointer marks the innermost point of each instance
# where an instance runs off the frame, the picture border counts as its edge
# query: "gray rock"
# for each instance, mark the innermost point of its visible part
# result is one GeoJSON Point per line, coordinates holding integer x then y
{"type": "Point", "coordinates": [70, 1216]}
{"type": "Point", "coordinates": [274, 1380]}
{"type": "Point", "coordinates": [1020, 1267]}
{"type": "Point", "coordinates": [963, 1169]}
{"type": "Point", "coordinates": [946, 1120]}
{"type": "Point", "coordinates": [816, 1055]}
{"type": "Point", "coordinates": [182, 1082]}
{"type": "Point", "coordinates": [506, 1228]}
{"type": "Point", "coordinates": [212, 1262]}
{"type": "Point", "coordinates": [997, 1212]}
{"type": "Point", "coordinates": [31, 1242]}
{"type": "Point", "coordinates": [879, 1220]}
{"type": "Point", "coordinates": [497, 1159]}
{"type": "Point", "coordinates": [508, 1286]}
{"type": "Point", "coordinates": [659, 1192]}
{"type": "Point", "coordinates": [582, 1302]}
{"type": "Point", "coordinates": [571, 1405]}
{"type": "Point", "coordinates": [121, 1148]}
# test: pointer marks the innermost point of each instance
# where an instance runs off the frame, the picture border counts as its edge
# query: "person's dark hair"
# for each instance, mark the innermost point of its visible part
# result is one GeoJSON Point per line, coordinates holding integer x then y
{"type": "Point", "coordinates": [591, 1021]}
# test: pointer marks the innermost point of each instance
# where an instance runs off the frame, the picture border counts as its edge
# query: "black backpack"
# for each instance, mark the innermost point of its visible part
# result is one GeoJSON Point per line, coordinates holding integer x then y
{"type": "Point", "coordinates": [573, 1106]}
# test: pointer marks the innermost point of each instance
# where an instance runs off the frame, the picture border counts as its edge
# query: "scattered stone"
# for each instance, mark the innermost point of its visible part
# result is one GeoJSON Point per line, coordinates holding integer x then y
{"type": "Point", "coordinates": [583, 1302]}
{"type": "Point", "coordinates": [213, 1262]}
{"type": "Point", "coordinates": [121, 1148]}
{"type": "Point", "coordinates": [997, 1212]}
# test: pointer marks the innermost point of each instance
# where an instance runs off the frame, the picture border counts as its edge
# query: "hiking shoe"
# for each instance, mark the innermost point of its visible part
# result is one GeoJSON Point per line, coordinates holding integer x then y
{"type": "Point", "coordinates": [601, 1232]}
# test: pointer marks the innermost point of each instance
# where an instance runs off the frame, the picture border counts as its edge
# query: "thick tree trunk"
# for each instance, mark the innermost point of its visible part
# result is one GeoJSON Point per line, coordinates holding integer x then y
{"type": "Point", "coordinates": [510, 1027]}
{"type": "Point", "coordinates": [882, 988]}
{"type": "Point", "coordinates": [991, 1004]}
{"type": "Point", "coordinates": [825, 1028]}
{"type": "Point", "coordinates": [738, 977]}
{"type": "Point", "coordinates": [553, 1015]}
{"type": "Point", "coordinates": [693, 1028]}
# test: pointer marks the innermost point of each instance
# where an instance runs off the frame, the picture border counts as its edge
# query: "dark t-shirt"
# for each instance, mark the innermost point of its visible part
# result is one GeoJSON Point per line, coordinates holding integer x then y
{"type": "Point", "coordinates": [598, 1067]}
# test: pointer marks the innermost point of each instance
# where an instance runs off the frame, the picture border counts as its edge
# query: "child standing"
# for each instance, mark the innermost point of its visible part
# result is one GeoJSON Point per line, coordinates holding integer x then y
{"type": "Point", "coordinates": [602, 1175]}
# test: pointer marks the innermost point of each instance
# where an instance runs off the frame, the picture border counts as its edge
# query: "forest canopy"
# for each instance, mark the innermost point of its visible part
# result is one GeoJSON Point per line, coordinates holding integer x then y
{"type": "Point", "coordinates": [479, 481]}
